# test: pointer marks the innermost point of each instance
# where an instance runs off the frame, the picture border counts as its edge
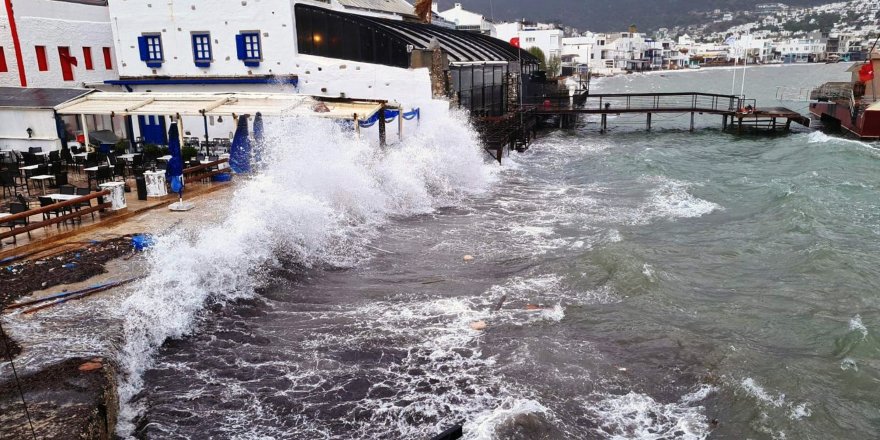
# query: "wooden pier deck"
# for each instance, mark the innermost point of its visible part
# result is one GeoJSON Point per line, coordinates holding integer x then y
{"type": "Point", "coordinates": [737, 113]}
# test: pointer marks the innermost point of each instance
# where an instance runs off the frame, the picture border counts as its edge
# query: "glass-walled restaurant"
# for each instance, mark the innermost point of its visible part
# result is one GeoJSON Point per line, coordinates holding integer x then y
{"type": "Point", "coordinates": [478, 64]}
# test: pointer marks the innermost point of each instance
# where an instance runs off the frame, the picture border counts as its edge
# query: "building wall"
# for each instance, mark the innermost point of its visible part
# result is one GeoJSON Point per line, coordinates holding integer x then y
{"type": "Point", "coordinates": [176, 21]}
{"type": "Point", "coordinates": [15, 122]}
{"type": "Point", "coordinates": [56, 24]}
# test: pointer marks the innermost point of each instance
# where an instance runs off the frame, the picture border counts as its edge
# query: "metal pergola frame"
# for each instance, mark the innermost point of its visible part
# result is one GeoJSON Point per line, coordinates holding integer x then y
{"type": "Point", "coordinates": [219, 104]}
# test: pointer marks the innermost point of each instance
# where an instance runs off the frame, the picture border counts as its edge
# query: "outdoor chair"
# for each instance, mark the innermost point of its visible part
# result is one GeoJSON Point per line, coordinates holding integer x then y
{"type": "Point", "coordinates": [13, 182]}
{"type": "Point", "coordinates": [16, 208]}
{"type": "Point", "coordinates": [35, 150]}
{"type": "Point", "coordinates": [55, 156]}
{"type": "Point", "coordinates": [86, 204]}
{"type": "Point", "coordinates": [46, 201]}
{"type": "Point", "coordinates": [68, 190]}
{"type": "Point", "coordinates": [22, 200]}
{"type": "Point", "coordinates": [119, 169]}
{"type": "Point", "coordinates": [60, 178]}
{"type": "Point", "coordinates": [104, 174]}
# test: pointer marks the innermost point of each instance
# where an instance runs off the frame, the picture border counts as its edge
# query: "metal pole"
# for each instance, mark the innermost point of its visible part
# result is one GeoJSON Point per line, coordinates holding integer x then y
{"type": "Point", "coordinates": [382, 136]}
{"type": "Point", "coordinates": [207, 139]}
{"type": "Point", "coordinates": [85, 125]}
{"type": "Point", "coordinates": [400, 123]}
{"type": "Point", "coordinates": [649, 122]}
{"type": "Point", "coordinates": [693, 115]}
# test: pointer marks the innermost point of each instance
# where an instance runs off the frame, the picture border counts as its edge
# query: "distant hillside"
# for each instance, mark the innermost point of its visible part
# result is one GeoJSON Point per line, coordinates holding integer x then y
{"type": "Point", "coordinates": [611, 15]}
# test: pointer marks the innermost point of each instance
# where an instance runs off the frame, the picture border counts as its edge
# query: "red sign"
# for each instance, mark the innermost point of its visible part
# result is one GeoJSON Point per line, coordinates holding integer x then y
{"type": "Point", "coordinates": [514, 41]}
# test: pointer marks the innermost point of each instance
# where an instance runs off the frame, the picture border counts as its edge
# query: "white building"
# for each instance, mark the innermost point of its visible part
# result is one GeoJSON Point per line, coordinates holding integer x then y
{"type": "Point", "coordinates": [469, 21]}
{"type": "Point", "coordinates": [801, 50]}
{"type": "Point", "coordinates": [245, 46]}
{"type": "Point", "coordinates": [55, 43]}
{"type": "Point", "coordinates": [547, 37]}
{"type": "Point", "coordinates": [753, 50]}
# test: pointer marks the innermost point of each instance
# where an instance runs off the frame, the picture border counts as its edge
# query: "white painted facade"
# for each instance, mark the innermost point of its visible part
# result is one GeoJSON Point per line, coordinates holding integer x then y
{"type": "Point", "coordinates": [582, 49]}
{"type": "Point", "coordinates": [275, 22]}
{"type": "Point", "coordinates": [53, 24]}
{"type": "Point", "coordinates": [469, 21]}
{"type": "Point", "coordinates": [543, 36]}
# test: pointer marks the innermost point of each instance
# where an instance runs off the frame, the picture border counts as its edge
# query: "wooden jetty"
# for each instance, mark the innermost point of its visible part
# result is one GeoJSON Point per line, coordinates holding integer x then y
{"type": "Point", "coordinates": [738, 114]}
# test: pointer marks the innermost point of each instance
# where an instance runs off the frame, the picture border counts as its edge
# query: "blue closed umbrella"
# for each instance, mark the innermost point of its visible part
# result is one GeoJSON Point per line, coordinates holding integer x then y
{"type": "Point", "coordinates": [259, 139]}
{"type": "Point", "coordinates": [174, 172]}
{"type": "Point", "coordinates": [240, 152]}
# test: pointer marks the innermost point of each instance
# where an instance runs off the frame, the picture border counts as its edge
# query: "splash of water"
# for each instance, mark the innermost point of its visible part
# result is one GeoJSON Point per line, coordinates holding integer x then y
{"type": "Point", "coordinates": [318, 200]}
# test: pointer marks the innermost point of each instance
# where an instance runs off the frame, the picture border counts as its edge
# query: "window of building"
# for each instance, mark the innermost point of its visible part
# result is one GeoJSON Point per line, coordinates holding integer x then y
{"type": "Point", "coordinates": [249, 49]}
{"type": "Point", "coordinates": [87, 58]}
{"type": "Point", "coordinates": [67, 63]}
{"type": "Point", "coordinates": [201, 43]}
{"type": "Point", "coordinates": [108, 59]}
{"type": "Point", "coordinates": [42, 61]}
{"type": "Point", "coordinates": [3, 66]}
{"type": "Point", "coordinates": [151, 50]}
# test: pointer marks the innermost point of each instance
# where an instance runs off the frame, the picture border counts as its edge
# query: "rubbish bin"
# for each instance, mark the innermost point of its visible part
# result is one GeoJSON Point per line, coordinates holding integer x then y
{"type": "Point", "coordinates": [141, 187]}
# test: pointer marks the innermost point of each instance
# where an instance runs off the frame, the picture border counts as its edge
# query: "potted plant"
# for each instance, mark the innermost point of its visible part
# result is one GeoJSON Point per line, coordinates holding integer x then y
{"type": "Point", "coordinates": [189, 153]}
{"type": "Point", "coordinates": [120, 147]}
{"type": "Point", "coordinates": [152, 151]}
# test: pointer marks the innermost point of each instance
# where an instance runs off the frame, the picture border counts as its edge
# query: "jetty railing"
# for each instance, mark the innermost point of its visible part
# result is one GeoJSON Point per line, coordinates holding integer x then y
{"type": "Point", "coordinates": [645, 103]}
{"type": "Point", "coordinates": [55, 207]}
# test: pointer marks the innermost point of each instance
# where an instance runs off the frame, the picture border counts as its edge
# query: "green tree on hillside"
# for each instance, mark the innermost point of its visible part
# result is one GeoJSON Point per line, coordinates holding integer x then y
{"type": "Point", "coordinates": [539, 54]}
{"type": "Point", "coordinates": [554, 66]}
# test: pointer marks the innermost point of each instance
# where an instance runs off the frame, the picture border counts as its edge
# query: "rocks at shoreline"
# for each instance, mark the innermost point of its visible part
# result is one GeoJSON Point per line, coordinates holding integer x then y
{"type": "Point", "coordinates": [73, 399]}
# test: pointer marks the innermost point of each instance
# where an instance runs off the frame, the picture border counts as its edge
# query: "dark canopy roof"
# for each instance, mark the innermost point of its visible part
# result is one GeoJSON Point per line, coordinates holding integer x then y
{"type": "Point", "coordinates": [37, 98]}
{"type": "Point", "coordinates": [461, 46]}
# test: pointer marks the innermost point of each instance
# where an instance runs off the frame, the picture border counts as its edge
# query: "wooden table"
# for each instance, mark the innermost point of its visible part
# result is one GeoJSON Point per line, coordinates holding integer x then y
{"type": "Point", "coordinates": [42, 179]}
{"type": "Point", "coordinates": [62, 197]}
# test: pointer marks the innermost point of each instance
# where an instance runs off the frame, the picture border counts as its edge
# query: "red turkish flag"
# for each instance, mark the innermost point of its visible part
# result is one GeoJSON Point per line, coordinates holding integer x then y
{"type": "Point", "coordinates": [866, 73]}
{"type": "Point", "coordinates": [514, 41]}
{"type": "Point", "coordinates": [68, 59]}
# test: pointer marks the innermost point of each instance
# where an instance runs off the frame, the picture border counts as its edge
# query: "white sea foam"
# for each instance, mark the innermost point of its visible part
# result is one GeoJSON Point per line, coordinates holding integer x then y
{"type": "Point", "coordinates": [318, 200]}
{"type": "Point", "coordinates": [758, 392]}
{"type": "Point", "coordinates": [856, 325]}
{"type": "Point", "coordinates": [671, 199]}
{"type": "Point", "coordinates": [485, 425]}
{"type": "Point", "coordinates": [639, 416]}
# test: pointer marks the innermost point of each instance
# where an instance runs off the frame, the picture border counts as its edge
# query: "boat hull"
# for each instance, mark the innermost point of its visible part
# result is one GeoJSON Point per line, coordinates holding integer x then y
{"type": "Point", "coordinates": [865, 126]}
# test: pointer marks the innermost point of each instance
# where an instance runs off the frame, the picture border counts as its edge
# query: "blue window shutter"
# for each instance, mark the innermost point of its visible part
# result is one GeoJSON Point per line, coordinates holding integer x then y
{"type": "Point", "coordinates": [142, 45]}
{"type": "Point", "coordinates": [239, 42]}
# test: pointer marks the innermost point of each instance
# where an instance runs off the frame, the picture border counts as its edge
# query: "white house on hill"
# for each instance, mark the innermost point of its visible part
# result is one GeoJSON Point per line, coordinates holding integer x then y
{"type": "Point", "coordinates": [468, 21]}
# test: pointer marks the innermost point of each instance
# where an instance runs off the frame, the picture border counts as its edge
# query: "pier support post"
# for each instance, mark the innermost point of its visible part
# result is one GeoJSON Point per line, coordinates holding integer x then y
{"type": "Point", "coordinates": [604, 123]}
{"type": "Point", "coordinates": [693, 116]}
{"type": "Point", "coordinates": [774, 124]}
{"type": "Point", "coordinates": [649, 122]}
{"type": "Point", "coordinates": [723, 122]}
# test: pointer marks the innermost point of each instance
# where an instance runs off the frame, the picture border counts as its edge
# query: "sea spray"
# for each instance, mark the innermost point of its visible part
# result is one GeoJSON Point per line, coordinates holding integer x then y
{"type": "Point", "coordinates": [318, 200]}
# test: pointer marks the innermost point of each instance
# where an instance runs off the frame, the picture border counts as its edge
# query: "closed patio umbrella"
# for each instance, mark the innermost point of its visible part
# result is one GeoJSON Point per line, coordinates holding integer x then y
{"type": "Point", "coordinates": [259, 139]}
{"type": "Point", "coordinates": [174, 172]}
{"type": "Point", "coordinates": [240, 152]}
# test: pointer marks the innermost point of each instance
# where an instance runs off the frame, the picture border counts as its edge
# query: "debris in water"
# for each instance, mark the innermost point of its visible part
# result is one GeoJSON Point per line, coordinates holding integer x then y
{"type": "Point", "coordinates": [623, 369]}
{"type": "Point", "coordinates": [141, 242]}
{"type": "Point", "coordinates": [92, 365]}
{"type": "Point", "coordinates": [468, 258]}
{"type": "Point", "coordinates": [534, 307]}
{"type": "Point", "coordinates": [479, 325]}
